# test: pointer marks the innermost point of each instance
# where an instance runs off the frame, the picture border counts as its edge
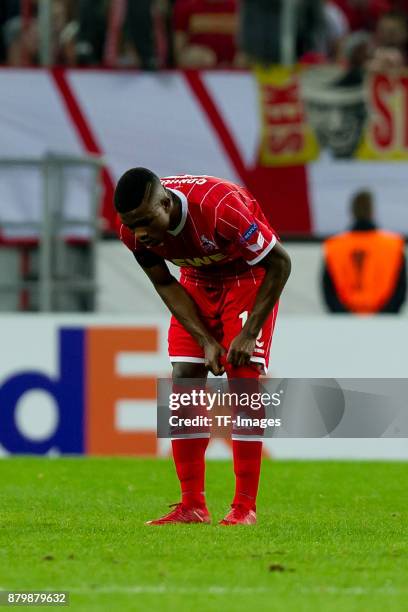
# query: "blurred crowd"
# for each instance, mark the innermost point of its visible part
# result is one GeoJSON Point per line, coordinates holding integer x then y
{"type": "Point", "coordinates": [155, 34]}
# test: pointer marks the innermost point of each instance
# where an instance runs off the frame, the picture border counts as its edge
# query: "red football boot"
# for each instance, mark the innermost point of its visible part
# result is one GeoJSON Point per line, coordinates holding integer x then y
{"type": "Point", "coordinates": [239, 515]}
{"type": "Point", "coordinates": [183, 514]}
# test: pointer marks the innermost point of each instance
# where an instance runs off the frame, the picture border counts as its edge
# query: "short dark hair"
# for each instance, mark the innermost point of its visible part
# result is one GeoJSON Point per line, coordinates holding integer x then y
{"type": "Point", "coordinates": [132, 188]}
{"type": "Point", "coordinates": [362, 205]}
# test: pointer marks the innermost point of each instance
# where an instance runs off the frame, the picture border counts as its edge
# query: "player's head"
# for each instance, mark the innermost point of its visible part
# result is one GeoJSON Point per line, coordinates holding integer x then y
{"type": "Point", "coordinates": [362, 206]}
{"type": "Point", "coordinates": [143, 205]}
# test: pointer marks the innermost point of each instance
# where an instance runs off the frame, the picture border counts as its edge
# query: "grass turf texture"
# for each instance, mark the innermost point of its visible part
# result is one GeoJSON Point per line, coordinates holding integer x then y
{"type": "Point", "coordinates": [331, 536]}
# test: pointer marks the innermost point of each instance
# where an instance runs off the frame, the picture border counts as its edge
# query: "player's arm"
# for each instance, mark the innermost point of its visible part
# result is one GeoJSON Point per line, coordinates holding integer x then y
{"type": "Point", "coordinates": [258, 245]}
{"type": "Point", "coordinates": [277, 265]}
{"type": "Point", "coordinates": [182, 307]}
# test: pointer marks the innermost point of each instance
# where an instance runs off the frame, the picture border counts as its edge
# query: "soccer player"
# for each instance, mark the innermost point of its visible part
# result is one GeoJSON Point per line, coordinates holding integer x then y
{"type": "Point", "coordinates": [224, 307]}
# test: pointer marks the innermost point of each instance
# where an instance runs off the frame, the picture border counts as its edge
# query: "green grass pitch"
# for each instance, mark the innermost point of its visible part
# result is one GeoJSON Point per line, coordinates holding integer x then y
{"type": "Point", "coordinates": [331, 536]}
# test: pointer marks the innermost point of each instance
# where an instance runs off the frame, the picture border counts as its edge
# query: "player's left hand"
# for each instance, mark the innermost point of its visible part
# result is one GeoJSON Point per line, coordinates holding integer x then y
{"type": "Point", "coordinates": [241, 350]}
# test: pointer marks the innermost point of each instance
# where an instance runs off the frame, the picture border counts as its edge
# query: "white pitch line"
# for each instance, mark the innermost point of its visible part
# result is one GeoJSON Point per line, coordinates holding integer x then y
{"type": "Point", "coordinates": [166, 590]}
{"type": "Point", "coordinates": [223, 590]}
{"type": "Point", "coordinates": [213, 590]}
{"type": "Point", "coordinates": [355, 590]}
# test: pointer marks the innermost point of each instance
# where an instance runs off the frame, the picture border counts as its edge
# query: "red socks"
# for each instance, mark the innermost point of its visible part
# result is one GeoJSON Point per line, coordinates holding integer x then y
{"type": "Point", "coordinates": [190, 467]}
{"type": "Point", "coordinates": [189, 460]}
{"type": "Point", "coordinates": [247, 454]}
{"type": "Point", "coordinates": [247, 469]}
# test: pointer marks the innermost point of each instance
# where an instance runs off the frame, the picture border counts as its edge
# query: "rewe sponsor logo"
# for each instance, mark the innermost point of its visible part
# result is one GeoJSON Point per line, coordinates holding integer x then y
{"type": "Point", "coordinates": [197, 262]}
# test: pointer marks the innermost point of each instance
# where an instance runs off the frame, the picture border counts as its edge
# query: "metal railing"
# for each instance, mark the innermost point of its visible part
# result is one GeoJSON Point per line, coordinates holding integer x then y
{"type": "Point", "coordinates": [52, 229]}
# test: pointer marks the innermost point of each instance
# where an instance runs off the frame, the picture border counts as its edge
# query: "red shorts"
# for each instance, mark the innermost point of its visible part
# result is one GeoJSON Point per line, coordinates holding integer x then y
{"type": "Point", "coordinates": [224, 309]}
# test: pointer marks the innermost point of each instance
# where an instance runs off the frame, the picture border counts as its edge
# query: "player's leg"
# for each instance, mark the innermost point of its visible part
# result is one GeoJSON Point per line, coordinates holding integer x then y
{"type": "Point", "coordinates": [188, 454]}
{"type": "Point", "coordinates": [247, 450]}
{"type": "Point", "coordinates": [187, 360]}
{"type": "Point", "coordinates": [189, 450]}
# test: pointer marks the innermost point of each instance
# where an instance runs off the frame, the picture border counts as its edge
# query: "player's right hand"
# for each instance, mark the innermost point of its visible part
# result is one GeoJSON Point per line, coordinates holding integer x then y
{"type": "Point", "coordinates": [213, 352]}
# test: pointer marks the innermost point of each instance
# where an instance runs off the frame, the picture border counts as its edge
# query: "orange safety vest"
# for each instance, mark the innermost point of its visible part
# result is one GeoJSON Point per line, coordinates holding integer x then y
{"type": "Point", "coordinates": [364, 267]}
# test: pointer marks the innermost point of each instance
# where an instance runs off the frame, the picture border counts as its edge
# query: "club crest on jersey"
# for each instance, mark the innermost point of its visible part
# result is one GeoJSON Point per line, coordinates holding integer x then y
{"type": "Point", "coordinates": [251, 229]}
{"type": "Point", "coordinates": [207, 244]}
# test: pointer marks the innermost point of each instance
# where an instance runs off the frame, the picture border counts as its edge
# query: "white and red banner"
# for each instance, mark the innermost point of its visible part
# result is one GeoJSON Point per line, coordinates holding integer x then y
{"type": "Point", "coordinates": [207, 123]}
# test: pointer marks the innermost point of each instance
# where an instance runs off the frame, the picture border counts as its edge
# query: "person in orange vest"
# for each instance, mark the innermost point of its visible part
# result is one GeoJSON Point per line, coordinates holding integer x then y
{"type": "Point", "coordinates": [364, 268]}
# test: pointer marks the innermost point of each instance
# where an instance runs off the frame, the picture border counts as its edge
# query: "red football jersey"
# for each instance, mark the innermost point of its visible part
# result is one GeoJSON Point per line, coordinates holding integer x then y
{"type": "Point", "coordinates": [222, 233]}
